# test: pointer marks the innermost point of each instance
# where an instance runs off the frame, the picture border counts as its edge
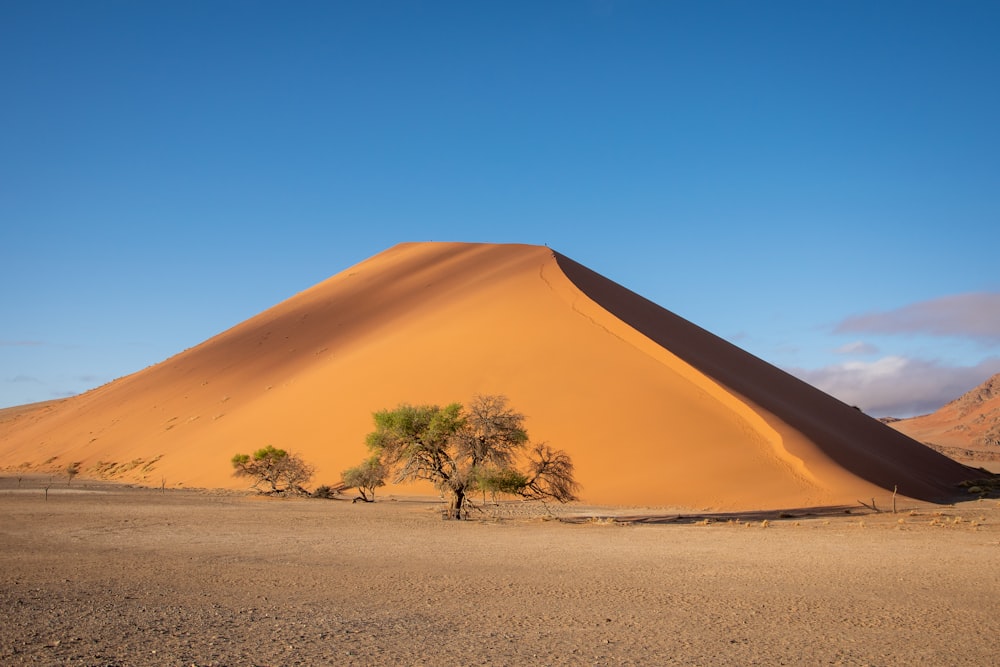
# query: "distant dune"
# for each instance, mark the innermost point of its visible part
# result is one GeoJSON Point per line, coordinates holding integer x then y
{"type": "Point", "coordinates": [967, 429]}
{"type": "Point", "coordinates": [653, 410]}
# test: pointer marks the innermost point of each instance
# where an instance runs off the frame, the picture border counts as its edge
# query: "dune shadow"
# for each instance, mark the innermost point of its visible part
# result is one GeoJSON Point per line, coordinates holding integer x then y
{"type": "Point", "coordinates": [722, 517]}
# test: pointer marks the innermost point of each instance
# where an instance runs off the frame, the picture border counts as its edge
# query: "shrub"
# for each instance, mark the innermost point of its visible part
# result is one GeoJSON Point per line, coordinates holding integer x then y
{"type": "Point", "coordinates": [278, 470]}
{"type": "Point", "coordinates": [365, 477]}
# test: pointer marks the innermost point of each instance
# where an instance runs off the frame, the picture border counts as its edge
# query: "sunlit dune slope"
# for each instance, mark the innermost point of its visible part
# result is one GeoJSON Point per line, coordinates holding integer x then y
{"type": "Point", "coordinates": [652, 409]}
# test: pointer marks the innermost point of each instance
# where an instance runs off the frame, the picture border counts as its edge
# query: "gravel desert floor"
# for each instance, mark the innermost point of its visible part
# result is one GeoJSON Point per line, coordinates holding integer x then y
{"type": "Point", "coordinates": [97, 574]}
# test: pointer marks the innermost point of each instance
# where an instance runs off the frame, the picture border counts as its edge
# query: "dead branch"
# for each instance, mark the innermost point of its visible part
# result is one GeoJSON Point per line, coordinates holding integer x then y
{"type": "Point", "coordinates": [872, 507]}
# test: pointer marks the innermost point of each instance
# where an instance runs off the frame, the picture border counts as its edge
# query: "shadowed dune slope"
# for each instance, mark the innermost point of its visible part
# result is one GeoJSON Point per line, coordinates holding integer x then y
{"type": "Point", "coordinates": [653, 410]}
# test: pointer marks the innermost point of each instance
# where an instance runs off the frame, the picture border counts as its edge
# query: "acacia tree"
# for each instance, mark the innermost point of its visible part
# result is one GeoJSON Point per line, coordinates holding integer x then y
{"type": "Point", "coordinates": [365, 477]}
{"type": "Point", "coordinates": [415, 442]}
{"type": "Point", "coordinates": [72, 470]}
{"type": "Point", "coordinates": [280, 470]}
{"type": "Point", "coordinates": [462, 450]}
{"type": "Point", "coordinates": [491, 435]}
{"type": "Point", "coordinates": [550, 474]}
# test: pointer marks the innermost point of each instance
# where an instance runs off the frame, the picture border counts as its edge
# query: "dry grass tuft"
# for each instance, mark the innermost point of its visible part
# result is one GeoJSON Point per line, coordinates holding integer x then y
{"type": "Point", "coordinates": [601, 520]}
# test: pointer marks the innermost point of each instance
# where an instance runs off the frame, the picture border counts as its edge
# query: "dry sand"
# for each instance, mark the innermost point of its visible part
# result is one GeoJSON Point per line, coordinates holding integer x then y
{"type": "Point", "coordinates": [103, 575]}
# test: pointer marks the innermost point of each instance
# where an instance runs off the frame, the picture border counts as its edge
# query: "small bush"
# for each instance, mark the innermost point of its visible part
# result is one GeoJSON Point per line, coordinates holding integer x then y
{"type": "Point", "coordinates": [72, 470]}
{"type": "Point", "coordinates": [326, 491]}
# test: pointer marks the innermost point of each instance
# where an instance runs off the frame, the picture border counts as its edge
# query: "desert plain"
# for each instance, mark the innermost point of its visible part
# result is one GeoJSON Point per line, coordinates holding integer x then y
{"type": "Point", "coordinates": [100, 574]}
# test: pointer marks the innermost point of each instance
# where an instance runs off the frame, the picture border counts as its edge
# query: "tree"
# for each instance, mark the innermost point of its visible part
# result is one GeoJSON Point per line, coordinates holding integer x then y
{"type": "Point", "coordinates": [462, 450]}
{"type": "Point", "coordinates": [550, 475]}
{"type": "Point", "coordinates": [495, 481]}
{"type": "Point", "coordinates": [416, 443]}
{"type": "Point", "coordinates": [281, 471]}
{"type": "Point", "coordinates": [72, 470]}
{"type": "Point", "coordinates": [365, 477]}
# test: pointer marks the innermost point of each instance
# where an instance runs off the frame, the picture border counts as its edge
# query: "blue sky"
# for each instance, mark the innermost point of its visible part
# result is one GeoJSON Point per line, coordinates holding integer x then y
{"type": "Point", "coordinates": [818, 182]}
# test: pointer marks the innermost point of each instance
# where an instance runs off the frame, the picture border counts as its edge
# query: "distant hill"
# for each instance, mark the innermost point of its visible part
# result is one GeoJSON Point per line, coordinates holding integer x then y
{"type": "Point", "coordinates": [652, 409]}
{"type": "Point", "coordinates": [966, 429]}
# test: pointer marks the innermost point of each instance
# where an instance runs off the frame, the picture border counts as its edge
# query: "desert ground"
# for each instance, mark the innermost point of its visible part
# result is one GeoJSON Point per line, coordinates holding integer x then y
{"type": "Point", "coordinates": [99, 574]}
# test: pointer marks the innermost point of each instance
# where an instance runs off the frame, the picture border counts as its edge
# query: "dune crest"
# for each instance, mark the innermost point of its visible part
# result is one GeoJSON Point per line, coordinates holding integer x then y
{"type": "Point", "coordinates": [653, 410]}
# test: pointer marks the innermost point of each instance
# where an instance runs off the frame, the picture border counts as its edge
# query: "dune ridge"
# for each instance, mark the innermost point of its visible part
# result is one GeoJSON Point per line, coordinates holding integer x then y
{"type": "Point", "coordinates": [654, 410]}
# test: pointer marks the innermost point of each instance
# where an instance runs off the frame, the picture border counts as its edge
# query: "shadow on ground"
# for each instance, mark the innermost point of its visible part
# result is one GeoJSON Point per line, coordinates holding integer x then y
{"type": "Point", "coordinates": [722, 517]}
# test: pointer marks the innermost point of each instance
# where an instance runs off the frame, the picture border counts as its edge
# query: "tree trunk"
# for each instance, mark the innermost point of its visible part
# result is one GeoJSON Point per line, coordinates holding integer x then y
{"type": "Point", "coordinates": [457, 503]}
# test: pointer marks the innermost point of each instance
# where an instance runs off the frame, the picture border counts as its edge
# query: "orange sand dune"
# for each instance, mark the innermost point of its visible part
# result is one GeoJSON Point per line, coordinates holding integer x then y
{"type": "Point", "coordinates": [653, 410]}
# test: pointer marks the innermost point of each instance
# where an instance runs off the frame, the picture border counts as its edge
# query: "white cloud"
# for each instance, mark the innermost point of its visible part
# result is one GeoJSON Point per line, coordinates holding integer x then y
{"type": "Point", "coordinates": [857, 347]}
{"type": "Point", "coordinates": [898, 386]}
{"type": "Point", "coordinates": [973, 315]}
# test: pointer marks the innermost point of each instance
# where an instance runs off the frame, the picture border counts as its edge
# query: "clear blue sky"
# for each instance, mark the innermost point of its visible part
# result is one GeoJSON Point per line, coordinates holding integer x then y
{"type": "Point", "coordinates": [818, 182]}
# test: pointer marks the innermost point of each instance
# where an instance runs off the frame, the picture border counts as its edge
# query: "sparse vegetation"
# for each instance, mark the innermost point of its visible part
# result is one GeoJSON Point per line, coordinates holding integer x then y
{"type": "Point", "coordinates": [72, 470]}
{"type": "Point", "coordinates": [984, 487]}
{"type": "Point", "coordinates": [277, 470]}
{"type": "Point", "coordinates": [873, 507]}
{"type": "Point", "coordinates": [365, 477]}
{"type": "Point", "coordinates": [462, 450]}
{"type": "Point", "coordinates": [328, 492]}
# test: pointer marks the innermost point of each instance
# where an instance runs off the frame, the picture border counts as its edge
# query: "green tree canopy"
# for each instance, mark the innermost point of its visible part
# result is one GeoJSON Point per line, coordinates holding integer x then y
{"type": "Point", "coordinates": [276, 469]}
{"type": "Point", "coordinates": [461, 450]}
{"type": "Point", "coordinates": [365, 477]}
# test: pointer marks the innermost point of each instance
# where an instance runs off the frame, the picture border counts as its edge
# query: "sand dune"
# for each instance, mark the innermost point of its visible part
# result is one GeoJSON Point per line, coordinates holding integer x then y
{"type": "Point", "coordinates": [653, 410]}
{"type": "Point", "coordinates": [967, 428]}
